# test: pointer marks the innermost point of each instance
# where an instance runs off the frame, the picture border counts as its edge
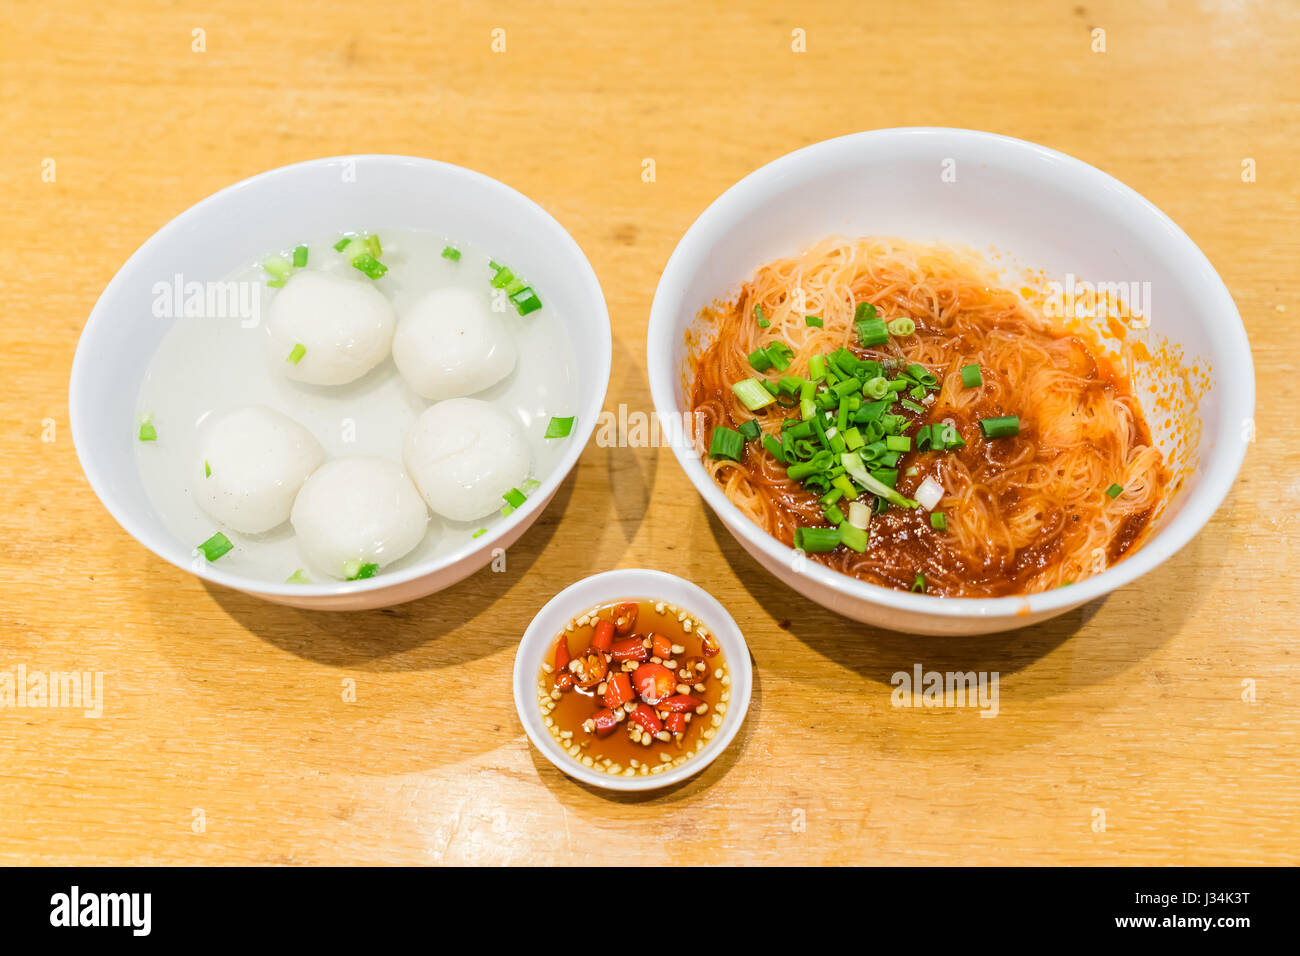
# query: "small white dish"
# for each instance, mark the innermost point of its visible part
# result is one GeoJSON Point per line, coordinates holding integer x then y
{"type": "Point", "coordinates": [318, 198]}
{"type": "Point", "coordinates": [629, 584]}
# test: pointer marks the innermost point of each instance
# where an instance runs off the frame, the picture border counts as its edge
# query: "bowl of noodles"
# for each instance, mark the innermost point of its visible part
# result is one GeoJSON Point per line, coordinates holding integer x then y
{"type": "Point", "coordinates": [950, 382]}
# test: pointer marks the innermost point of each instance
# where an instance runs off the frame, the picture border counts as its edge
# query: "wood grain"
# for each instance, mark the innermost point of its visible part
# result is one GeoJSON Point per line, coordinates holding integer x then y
{"type": "Point", "coordinates": [219, 703]}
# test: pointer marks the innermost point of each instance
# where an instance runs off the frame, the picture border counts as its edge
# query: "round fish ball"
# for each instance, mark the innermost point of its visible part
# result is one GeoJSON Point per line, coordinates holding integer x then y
{"type": "Point", "coordinates": [355, 511]}
{"type": "Point", "coordinates": [344, 325]}
{"type": "Point", "coordinates": [463, 455]}
{"type": "Point", "coordinates": [451, 344]}
{"type": "Point", "coordinates": [252, 461]}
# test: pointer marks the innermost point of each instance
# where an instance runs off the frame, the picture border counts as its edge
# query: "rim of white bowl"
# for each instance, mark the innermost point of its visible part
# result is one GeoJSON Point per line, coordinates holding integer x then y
{"type": "Point", "coordinates": [1229, 448]}
{"type": "Point", "coordinates": [164, 545]}
{"type": "Point", "coordinates": [630, 584]}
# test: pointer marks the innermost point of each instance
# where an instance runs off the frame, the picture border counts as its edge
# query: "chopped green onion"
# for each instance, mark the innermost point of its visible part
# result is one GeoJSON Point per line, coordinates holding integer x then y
{"type": "Point", "coordinates": [751, 429]}
{"type": "Point", "coordinates": [902, 326]}
{"type": "Point", "coordinates": [147, 430]}
{"type": "Point", "coordinates": [971, 377]}
{"type": "Point", "coordinates": [298, 577]}
{"type": "Point", "coordinates": [912, 406]}
{"type": "Point", "coordinates": [515, 498]}
{"type": "Point", "coordinates": [278, 267]}
{"type": "Point", "coordinates": [526, 300]}
{"type": "Point", "coordinates": [452, 253]}
{"type": "Point", "coordinates": [479, 533]}
{"type": "Point", "coordinates": [559, 427]}
{"type": "Point", "coordinates": [342, 244]}
{"type": "Point", "coordinates": [296, 353]}
{"type": "Point", "coordinates": [780, 354]}
{"type": "Point", "coordinates": [872, 332]}
{"type": "Point", "coordinates": [814, 321]}
{"type": "Point", "coordinates": [877, 387]}
{"type": "Point", "coordinates": [853, 537]}
{"type": "Point", "coordinates": [864, 311]}
{"type": "Point", "coordinates": [774, 448]}
{"type": "Point", "coordinates": [530, 485]}
{"type": "Point", "coordinates": [726, 443]}
{"type": "Point", "coordinates": [833, 514]}
{"type": "Point", "coordinates": [1114, 491]}
{"type": "Point", "coordinates": [752, 394]}
{"type": "Point", "coordinates": [759, 360]}
{"type": "Point", "coordinates": [369, 265]}
{"type": "Point", "coordinates": [373, 247]}
{"type": "Point", "coordinates": [215, 546]}
{"type": "Point", "coordinates": [858, 472]}
{"type": "Point", "coordinates": [859, 515]}
{"type": "Point", "coordinates": [207, 469]}
{"type": "Point", "coordinates": [919, 584]}
{"type": "Point", "coordinates": [938, 521]}
{"type": "Point", "coordinates": [817, 368]}
{"type": "Point", "coordinates": [758, 314]}
{"type": "Point", "coordinates": [1002, 427]}
{"type": "Point", "coordinates": [355, 570]}
{"type": "Point", "coordinates": [816, 539]}
{"type": "Point", "coordinates": [898, 443]}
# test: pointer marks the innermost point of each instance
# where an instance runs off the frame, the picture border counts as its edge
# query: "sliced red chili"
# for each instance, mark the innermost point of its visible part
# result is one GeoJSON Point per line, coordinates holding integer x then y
{"type": "Point", "coordinates": [694, 673]}
{"type": "Point", "coordinates": [625, 617]}
{"type": "Point", "coordinates": [661, 647]}
{"type": "Point", "coordinates": [646, 717]}
{"type": "Point", "coordinates": [618, 691]}
{"type": "Point", "coordinates": [603, 637]}
{"type": "Point", "coordinates": [676, 723]}
{"type": "Point", "coordinates": [562, 653]}
{"type": "Point", "coordinates": [679, 704]}
{"type": "Point", "coordinates": [629, 649]}
{"type": "Point", "coordinates": [709, 645]}
{"type": "Point", "coordinates": [653, 682]}
{"type": "Point", "coordinates": [564, 680]}
{"type": "Point", "coordinates": [606, 722]}
{"type": "Point", "coordinates": [592, 668]}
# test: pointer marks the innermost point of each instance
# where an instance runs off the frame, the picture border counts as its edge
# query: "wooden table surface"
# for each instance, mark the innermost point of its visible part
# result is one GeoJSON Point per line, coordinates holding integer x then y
{"type": "Point", "coordinates": [225, 735]}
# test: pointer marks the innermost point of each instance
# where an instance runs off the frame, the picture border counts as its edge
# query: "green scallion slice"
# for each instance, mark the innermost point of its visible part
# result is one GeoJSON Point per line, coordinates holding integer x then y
{"type": "Point", "coordinates": [479, 533]}
{"type": "Point", "coordinates": [207, 469]}
{"type": "Point", "coordinates": [559, 427]}
{"type": "Point", "coordinates": [147, 430]}
{"type": "Point", "coordinates": [356, 570]}
{"type": "Point", "coordinates": [215, 546]}
{"type": "Point", "coordinates": [781, 355]}
{"type": "Point", "coordinates": [369, 265]}
{"type": "Point", "coordinates": [971, 377]}
{"type": "Point", "coordinates": [1114, 491]}
{"type": "Point", "coordinates": [752, 394]}
{"type": "Point", "coordinates": [938, 521]}
{"type": "Point", "coordinates": [296, 353]}
{"type": "Point", "coordinates": [864, 311]}
{"type": "Point", "coordinates": [298, 577]}
{"type": "Point", "coordinates": [452, 253]}
{"type": "Point", "coordinates": [918, 585]}
{"type": "Point", "coordinates": [759, 360]}
{"type": "Point", "coordinates": [526, 300]}
{"type": "Point", "coordinates": [278, 267]}
{"type": "Point", "coordinates": [853, 537]}
{"type": "Point", "coordinates": [816, 539]}
{"type": "Point", "coordinates": [872, 332]}
{"type": "Point", "coordinates": [898, 443]}
{"type": "Point", "coordinates": [751, 429]}
{"type": "Point", "coordinates": [1003, 426]}
{"type": "Point", "coordinates": [902, 326]}
{"type": "Point", "coordinates": [299, 256]}
{"type": "Point", "coordinates": [514, 498]}
{"type": "Point", "coordinates": [760, 315]}
{"type": "Point", "coordinates": [774, 448]}
{"type": "Point", "coordinates": [813, 321]}
{"type": "Point", "coordinates": [726, 443]}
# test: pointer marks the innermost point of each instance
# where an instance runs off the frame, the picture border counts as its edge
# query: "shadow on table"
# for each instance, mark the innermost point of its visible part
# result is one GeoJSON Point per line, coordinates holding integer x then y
{"type": "Point", "coordinates": [373, 640]}
{"type": "Point", "coordinates": [878, 654]}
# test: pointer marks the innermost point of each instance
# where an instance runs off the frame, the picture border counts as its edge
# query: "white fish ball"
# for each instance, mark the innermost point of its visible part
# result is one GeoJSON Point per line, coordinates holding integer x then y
{"type": "Point", "coordinates": [345, 327]}
{"type": "Point", "coordinates": [451, 344]}
{"type": "Point", "coordinates": [252, 461]}
{"type": "Point", "coordinates": [357, 511]}
{"type": "Point", "coordinates": [463, 455]}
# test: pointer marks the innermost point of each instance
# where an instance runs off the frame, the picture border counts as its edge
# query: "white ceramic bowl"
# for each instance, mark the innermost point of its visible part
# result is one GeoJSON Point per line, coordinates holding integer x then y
{"type": "Point", "coordinates": [629, 584]}
{"type": "Point", "coordinates": [274, 210]}
{"type": "Point", "coordinates": [1044, 209]}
